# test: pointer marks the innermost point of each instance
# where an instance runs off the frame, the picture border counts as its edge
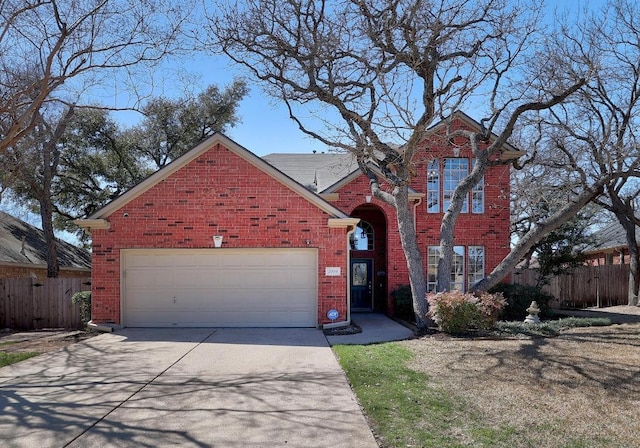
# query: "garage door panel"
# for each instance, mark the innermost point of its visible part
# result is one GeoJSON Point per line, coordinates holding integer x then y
{"type": "Point", "coordinates": [223, 287]}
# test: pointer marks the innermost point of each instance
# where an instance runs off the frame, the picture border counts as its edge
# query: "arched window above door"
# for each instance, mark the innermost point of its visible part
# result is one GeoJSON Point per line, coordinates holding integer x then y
{"type": "Point", "coordinates": [362, 238]}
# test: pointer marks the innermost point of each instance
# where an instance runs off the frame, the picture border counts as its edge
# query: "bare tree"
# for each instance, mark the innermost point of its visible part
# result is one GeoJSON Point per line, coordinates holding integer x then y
{"type": "Point", "coordinates": [32, 165]}
{"type": "Point", "coordinates": [598, 128]}
{"type": "Point", "coordinates": [54, 51]}
{"type": "Point", "coordinates": [74, 161]}
{"type": "Point", "coordinates": [380, 73]}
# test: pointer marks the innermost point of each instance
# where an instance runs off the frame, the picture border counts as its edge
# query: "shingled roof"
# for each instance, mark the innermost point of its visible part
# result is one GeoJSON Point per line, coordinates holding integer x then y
{"type": "Point", "coordinates": [610, 237]}
{"type": "Point", "coordinates": [317, 171]}
{"type": "Point", "coordinates": [22, 243]}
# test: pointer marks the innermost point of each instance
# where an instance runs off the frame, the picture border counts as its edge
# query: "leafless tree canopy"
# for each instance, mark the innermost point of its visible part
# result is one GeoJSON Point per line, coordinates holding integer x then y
{"type": "Point", "coordinates": [389, 69]}
{"type": "Point", "coordinates": [54, 51]}
{"type": "Point", "coordinates": [594, 135]}
{"type": "Point", "coordinates": [379, 73]}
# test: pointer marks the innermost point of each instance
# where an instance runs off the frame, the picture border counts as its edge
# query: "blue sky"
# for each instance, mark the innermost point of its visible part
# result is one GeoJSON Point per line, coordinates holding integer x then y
{"type": "Point", "coordinates": [266, 127]}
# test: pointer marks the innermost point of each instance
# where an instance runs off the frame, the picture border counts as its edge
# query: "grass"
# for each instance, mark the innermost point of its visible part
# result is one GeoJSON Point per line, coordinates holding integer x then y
{"type": "Point", "coordinates": [406, 409]}
{"type": "Point", "coordinates": [12, 358]}
{"type": "Point", "coordinates": [578, 390]}
{"type": "Point", "coordinates": [394, 395]}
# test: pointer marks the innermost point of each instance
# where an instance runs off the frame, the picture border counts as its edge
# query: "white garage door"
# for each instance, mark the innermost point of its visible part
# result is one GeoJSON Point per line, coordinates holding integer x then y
{"type": "Point", "coordinates": [219, 287]}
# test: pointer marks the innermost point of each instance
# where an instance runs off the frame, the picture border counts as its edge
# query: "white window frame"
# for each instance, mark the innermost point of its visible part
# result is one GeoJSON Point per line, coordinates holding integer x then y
{"type": "Point", "coordinates": [477, 194]}
{"type": "Point", "coordinates": [476, 263]}
{"type": "Point", "coordinates": [433, 186]}
{"type": "Point", "coordinates": [366, 229]}
{"type": "Point", "coordinates": [453, 171]}
{"type": "Point", "coordinates": [457, 268]}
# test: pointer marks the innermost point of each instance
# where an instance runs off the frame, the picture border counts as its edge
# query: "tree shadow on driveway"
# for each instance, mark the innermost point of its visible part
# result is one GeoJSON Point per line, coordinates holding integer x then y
{"type": "Point", "coordinates": [160, 393]}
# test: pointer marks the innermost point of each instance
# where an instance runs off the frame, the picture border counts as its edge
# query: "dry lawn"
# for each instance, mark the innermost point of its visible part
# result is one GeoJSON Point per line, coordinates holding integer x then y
{"type": "Point", "coordinates": [546, 392]}
{"type": "Point", "coordinates": [40, 341]}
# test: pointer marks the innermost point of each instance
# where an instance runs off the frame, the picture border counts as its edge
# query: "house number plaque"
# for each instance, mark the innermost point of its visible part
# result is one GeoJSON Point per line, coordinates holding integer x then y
{"type": "Point", "coordinates": [332, 271]}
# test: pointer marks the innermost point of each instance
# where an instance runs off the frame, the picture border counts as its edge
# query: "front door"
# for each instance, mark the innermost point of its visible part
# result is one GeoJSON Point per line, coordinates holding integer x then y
{"type": "Point", "coordinates": [362, 284]}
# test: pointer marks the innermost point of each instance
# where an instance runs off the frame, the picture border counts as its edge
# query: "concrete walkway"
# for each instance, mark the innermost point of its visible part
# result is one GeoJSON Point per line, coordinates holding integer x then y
{"type": "Point", "coordinates": [376, 328]}
{"type": "Point", "coordinates": [187, 387]}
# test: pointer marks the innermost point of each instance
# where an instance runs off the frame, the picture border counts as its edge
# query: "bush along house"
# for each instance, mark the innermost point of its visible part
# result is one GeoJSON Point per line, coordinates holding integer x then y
{"type": "Point", "coordinates": [221, 237]}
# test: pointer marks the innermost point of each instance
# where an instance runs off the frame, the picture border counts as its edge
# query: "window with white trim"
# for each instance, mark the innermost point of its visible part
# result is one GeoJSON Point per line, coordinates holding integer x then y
{"type": "Point", "coordinates": [457, 268]}
{"type": "Point", "coordinates": [454, 170]}
{"type": "Point", "coordinates": [475, 264]}
{"type": "Point", "coordinates": [433, 186]}
{"type": "Point", "coordinates": [443, 180]}
{"type": "Point", "coordinates": [477, 194]}
{"type": "Point", "coordinates": [362, 237]}
{"type": "Point", "coordinates": [433, 254]}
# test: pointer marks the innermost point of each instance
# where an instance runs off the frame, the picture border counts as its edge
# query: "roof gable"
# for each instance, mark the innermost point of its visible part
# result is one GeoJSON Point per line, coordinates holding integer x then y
{"type": "Point", "coordinates": [22, 243]}
{"type": "Point", "coordinates": [315, 171]}
{"type": "Point", "coordinates": [204, 146]}
{"type": "Point", "coordinates": [509, 152]}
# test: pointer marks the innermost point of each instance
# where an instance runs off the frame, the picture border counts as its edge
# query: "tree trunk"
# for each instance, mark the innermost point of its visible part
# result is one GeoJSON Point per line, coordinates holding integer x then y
{"type": "Point", "coordinates": [634, 280]}
{"type": "Point", "coordinates": [50, 158]}
{"type": "Point", "coordinates": [409, 242]}
{"type": "Point", "coordinates": [46, 214]}
{"type": "Point", "coordinates": [630, 233]}
{"type": "Point", "coordinates": [447, 227]}
{"type": "Point", "coordinates": [536, 233]}
{"type": "Point", "coordinates": [446, 254]}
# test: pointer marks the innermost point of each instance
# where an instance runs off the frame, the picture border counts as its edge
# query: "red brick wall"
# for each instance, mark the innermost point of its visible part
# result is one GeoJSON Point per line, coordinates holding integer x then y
{"type": "Point", "coordinates": [613, 256]}
{"type": "Point", "coordinates": [217, 194]}
{"type": "Point", "coordinates": [489, 229]}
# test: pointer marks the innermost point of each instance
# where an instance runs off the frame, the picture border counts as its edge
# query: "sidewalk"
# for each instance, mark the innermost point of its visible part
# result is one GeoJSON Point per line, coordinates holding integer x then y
{"type": "Point", "coordinates": [376, 328]}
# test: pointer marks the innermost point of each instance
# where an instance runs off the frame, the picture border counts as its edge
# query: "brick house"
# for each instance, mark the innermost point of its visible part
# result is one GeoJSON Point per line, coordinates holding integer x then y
{"type": "Point", "coordinates": [609, 246]}
{"type": "Point", "coordinates": [221, 237]}
{"type": "Point", "coordinates": [23, 252]}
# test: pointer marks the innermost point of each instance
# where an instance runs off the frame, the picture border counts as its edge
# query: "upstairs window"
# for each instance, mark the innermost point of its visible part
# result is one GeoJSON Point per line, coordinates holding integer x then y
{"type": "Point", "coordinates": [443, 176]}
{"type": "Point", "coordinates": [453, 172]}
{"type": "Point", "coordinates": [433, 187]}
{"type": "Point", "coordinates": [477, 194]}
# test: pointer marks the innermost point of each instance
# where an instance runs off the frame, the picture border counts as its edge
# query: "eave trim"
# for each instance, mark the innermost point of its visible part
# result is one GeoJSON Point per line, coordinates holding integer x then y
{"type": "Point", "coordinates": [343, 222]}
{"type": "Point", "coordinates": [95, 224]}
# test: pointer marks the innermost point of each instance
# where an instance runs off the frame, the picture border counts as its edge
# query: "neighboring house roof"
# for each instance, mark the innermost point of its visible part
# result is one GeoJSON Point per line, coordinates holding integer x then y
{"type": "Point", "coordinates": [315, 171]}
{"type": "Point", "coordinates": [96, 220]}
{"type": "Point", "coordinates": [610, 237]}
{"type": "Point", "coordinates": [24, 244]}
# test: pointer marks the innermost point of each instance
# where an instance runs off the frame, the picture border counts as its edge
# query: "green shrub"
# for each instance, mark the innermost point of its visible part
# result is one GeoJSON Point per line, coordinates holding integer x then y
{"type": "Point", "coordinates": [548, 328]}
{"type": "Point", "coordinates": [519, 297]}
{"type": "Point", "coordinates": [457, 313]}
{"type": "Point", "coordinates": [403, 301]}
{"type": "Point", "coordinates": [84, 299]}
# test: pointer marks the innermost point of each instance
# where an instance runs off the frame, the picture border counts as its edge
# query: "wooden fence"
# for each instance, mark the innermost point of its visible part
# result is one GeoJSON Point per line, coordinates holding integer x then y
{"type": "Point", "coordinates": [34, 304]}
{"type": "Point", "coordinates": [586, 286]}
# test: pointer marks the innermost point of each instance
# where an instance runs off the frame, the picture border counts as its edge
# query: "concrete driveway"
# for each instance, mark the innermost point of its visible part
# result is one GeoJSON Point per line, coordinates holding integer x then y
{"type": "Point", "coordinates": [183, 387]}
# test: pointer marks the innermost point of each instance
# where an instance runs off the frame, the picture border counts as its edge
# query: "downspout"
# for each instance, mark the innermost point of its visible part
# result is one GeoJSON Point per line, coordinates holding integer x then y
{"type": "Point", "coordinates": [415, 213]}
{"type": "Point", "coordinates": [346, 322]}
